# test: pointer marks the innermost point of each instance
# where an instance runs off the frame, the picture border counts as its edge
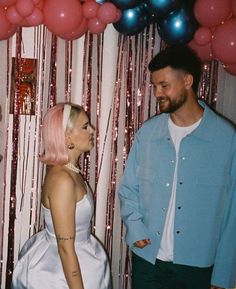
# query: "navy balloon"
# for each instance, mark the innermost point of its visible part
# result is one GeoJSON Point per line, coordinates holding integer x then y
{"type": "Point", "coordinates": [160, 8]}
{"type": "Point", "coordinates": [152, 17]}
{"type": "Point", "coordinates": [178, 26]}
{"type": "Point", "coordinates": [132, 21]}
{"type": "Point", "coordinates": [126, 4]}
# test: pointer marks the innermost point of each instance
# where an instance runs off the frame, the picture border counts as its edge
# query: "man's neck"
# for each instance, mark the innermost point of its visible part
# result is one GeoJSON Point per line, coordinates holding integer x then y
{"type": "Point", "coordinates": [188, 114]}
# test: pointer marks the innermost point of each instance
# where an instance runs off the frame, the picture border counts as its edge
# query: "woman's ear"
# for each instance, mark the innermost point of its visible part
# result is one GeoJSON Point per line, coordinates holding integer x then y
{"type": "Point", "coordinates": [68, 139]}
{"type": "Point", "coordinates": [69, 142]}
{"type": "Point", "coordinates": [188, 81]}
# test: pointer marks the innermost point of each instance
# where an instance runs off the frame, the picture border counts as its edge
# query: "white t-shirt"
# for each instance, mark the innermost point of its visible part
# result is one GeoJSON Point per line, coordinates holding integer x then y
{"type": "Point", "coordinates": [177, 133]}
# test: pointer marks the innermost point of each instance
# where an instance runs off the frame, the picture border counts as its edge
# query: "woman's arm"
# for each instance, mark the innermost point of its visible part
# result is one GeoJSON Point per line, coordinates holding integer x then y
{"type": "Point", "coordinates": [62, 199]}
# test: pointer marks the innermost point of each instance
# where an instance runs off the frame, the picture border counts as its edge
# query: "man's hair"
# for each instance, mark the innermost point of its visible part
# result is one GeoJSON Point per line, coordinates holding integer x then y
{"type": "Point", "coordinates": [179, 57]}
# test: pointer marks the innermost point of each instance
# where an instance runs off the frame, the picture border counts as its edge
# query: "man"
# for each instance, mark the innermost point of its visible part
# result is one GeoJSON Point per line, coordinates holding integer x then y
{"type": "Point", "coordinates": [178, 192]}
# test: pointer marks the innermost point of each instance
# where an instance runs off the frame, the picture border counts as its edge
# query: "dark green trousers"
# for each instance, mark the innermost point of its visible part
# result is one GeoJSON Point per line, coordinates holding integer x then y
{"type": "Point", "coordinates": [166, 275]}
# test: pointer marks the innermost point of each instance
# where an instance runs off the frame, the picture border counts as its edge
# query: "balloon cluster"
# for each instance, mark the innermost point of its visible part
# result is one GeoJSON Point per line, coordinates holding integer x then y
{"type": "Point", "coordinates": [174, 18]}
{"type": "Point", "coordinates": [216, 37]}
{"type": "Point", "coordinates": [69, 19]}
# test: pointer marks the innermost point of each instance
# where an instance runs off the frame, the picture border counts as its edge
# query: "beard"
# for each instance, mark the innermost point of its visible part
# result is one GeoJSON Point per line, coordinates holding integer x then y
{"type": "Point", "coordinates": [168, 105]}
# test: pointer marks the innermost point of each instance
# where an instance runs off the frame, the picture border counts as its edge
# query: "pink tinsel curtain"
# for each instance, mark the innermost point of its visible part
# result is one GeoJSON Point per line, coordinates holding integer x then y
{"type": "Point", "coordinates": [108, 75]}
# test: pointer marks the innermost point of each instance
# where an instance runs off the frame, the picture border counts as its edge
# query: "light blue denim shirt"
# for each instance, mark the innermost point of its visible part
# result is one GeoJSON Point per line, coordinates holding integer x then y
{"type": "Point", "coordinates": [205, 212]}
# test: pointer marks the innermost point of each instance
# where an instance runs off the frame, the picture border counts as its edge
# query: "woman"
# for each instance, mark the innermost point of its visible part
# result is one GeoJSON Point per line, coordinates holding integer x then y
{"type": "Point", "coordinates": [65, 254]}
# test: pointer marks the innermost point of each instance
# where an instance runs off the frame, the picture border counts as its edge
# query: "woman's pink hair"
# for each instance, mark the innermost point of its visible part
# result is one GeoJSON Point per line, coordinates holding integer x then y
{"type": "Point", "coordinates": [55, 149]}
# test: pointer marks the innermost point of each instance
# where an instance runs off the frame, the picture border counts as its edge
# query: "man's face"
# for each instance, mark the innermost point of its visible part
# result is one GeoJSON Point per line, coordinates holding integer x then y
{"type": "Point", "coordinates": [169, 88]}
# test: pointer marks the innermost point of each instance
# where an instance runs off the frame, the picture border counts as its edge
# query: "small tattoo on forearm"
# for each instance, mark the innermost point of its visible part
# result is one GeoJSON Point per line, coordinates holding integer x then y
{"type": "Point", "coordinates": [60, 238]}
{"type": "Point", "coordinates": [75, 273]}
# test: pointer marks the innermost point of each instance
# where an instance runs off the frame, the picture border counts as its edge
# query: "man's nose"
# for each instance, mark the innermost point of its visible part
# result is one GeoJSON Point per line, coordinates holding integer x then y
{"type": "Point", "coordinates": [157, 91]}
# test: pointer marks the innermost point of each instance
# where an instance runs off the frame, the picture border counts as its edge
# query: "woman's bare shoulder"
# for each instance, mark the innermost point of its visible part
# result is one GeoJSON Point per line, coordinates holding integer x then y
{"type": "Point", "coordinates": [57, 181]}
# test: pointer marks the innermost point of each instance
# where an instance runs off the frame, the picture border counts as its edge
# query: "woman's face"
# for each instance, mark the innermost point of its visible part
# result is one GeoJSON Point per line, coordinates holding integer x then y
{"type": "Point", "coordinates": [82, 133]}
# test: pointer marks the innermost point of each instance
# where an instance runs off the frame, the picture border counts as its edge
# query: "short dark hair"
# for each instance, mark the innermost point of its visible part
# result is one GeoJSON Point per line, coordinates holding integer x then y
{"type": "Point", "coordinates": [180, 57]}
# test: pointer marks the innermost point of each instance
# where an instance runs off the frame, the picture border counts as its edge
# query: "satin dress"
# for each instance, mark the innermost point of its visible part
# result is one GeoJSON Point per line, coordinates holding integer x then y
{"type": "Point", "coordinates": [39, 265]}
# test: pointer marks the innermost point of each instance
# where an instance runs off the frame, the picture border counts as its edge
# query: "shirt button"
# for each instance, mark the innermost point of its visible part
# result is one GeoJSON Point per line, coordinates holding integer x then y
{"type": "Point", "coordinates": [158, 233]}
{"type": "Point", "coordinates": [181, 183]}
{"type": "Point", "coordinates": [163, 209]}
{"type": "Point", "coordinates": [177, 232]}
{"type": "Point", "coordinates": [172, 161]}
{"type": "Point", "coordinates": [183, 158]}
{"type": "Point", "coordinates": [167, 184]}
{"type": "Point", "coordinates": [179, 207]}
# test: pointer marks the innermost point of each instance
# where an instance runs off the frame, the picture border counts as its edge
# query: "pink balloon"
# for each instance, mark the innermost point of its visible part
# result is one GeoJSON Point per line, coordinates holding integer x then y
{"type": "Point", "coordinates": [13, 16]}
{"type": "Point", "coordinates": [6, 3]}
{"type": "Point", "coordinates": [202, 36]}
{"type": "Point", "coordinates": [204, 52]}
{"type": "Point", "coordinates": [25, 7]}
{"type": "Point", "coordinates": [224, 42]}
{"type": "Point", "coordinates": [81, 30]}
{"type": "Point", "coordinates": [96, 26]}
{"type": "Point", "coordinates": [212, 12]}
{"type": "Point", "coordinates": [24, 23]}
{"type": "Point", "coordinates": [36, 2]}
{"type": "Point", "coordinates": [118, 15]}
{"type": "Point", "coordinates": [36, 18]}
{"type": "Point", "coordinates": [40, 4]}
{"type": "Point", "coordinates": [107, 13]}
{"type": "Point", "coordinates": [234, 8]}
{"type": "Point", "coordinates": [231, 68]}
{"type": "Point", "coordinates": [62, 16]}
{"type": "Point", "coordinates": [6, 28]}
{"type": "Point", "coordinates": [90, 9]}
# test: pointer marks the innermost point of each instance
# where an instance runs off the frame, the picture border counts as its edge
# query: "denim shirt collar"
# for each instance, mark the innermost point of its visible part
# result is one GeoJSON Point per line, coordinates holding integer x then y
{"type": "Point", "coordinates": [204, 131]}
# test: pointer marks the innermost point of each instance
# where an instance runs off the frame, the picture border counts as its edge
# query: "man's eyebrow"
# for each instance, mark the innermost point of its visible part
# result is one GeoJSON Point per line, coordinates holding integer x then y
{"type": "Point", "coordinates": [160, 82]}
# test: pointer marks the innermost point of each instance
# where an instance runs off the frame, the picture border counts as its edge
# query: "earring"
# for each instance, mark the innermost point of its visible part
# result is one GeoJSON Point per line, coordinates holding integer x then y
{"type": "Point", "coordinates": [71, 146]}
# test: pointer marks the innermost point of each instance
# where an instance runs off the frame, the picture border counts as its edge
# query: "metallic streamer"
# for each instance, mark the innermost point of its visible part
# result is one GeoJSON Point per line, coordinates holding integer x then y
{"type": "Point", "coordinates": [12, 207]}
{"type": "Point", "coordinates": [68, 70]}
{"type": "Point", "coordinates": [208, 85]}
{"type": "Point", "coordinates": [40, 52]}
{"type": "Point", "coordinates": [53, 72]}
{"type": "Point", "coordinates": [4, 159]}
{"type": "Point", "coordinates": [86, 93]}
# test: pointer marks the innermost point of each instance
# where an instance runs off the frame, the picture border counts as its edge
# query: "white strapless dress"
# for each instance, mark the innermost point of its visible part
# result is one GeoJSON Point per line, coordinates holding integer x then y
{"type": "Point", "coordinates": [39, 265]}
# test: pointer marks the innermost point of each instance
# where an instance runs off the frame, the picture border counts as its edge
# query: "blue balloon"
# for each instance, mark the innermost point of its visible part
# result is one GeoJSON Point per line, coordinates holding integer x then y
{"type": "Point", "coordinates": [177, 27]}
{"type": "Point", "coordinates": [101, 1]}
{"type": "Point", "coordinates": [126, 4]}
{"type": "Point", "coordinates": [152, 18]}
{"type": "Point", "coordinates": [132, 21]}
{"type": "Point", "coordinates": [160, 8]}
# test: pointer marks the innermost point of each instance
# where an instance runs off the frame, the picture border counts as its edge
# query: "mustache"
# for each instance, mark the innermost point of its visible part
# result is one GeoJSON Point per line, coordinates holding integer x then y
{"type": "Point", "coordinates": [161, 98]}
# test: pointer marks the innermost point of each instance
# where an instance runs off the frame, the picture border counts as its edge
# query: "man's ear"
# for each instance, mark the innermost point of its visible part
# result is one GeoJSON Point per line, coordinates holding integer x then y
{"type": "Point", "coordinates": [188, 81]}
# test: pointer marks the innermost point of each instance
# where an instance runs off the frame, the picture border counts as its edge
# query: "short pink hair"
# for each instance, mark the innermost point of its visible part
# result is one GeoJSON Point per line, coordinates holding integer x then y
{"type": "Point", "coordinates": [54, 140]}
